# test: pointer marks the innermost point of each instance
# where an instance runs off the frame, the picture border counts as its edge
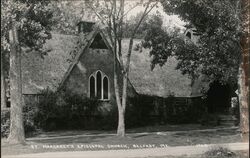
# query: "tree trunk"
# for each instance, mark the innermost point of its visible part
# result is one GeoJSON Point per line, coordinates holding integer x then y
{"type": "Point", "coordinates": [3, 88]}
{"type": "Point", "coordinates": [244, 73]}
{"type": "Point", "coordinates": [121, 100]}
{"type": "Point", "coordinates": [243, 103]}
{"type": "Point", "coordinates": [16, 135]}
{"type": "Point", "coordinates": [121, 122]}
{"type": "Point", "coordinates": [243, 95]}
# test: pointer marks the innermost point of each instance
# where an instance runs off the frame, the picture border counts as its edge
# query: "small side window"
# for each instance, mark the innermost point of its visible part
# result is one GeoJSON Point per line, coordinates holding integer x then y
{"type": "Point", "coordinates": [188, 35]}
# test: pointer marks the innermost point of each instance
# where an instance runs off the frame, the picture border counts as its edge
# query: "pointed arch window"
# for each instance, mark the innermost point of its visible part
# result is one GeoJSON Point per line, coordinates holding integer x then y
{"type": "Point", "coordinates": [99, 86]}
{"type": "Point", "coordinates": [105, 88]}
{"type": "Point", "coordinates": [92, 87]}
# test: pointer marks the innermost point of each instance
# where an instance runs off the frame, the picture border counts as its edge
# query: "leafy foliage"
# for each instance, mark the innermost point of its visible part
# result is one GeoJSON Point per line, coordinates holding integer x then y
{"type": "Point", "coordinates": [63, 110]}
{"type": "Point", "coordinates": [220, 152]}
{"type": "Point", "coordinates": [33, 18]}
{"type": "Point", "coordinates": [67, 14]}
{"type": "Point", "coordinates": [29, 112]}
{"type": "Point", "coordinates": [157, 39]}
{"type": "Point", "coordinates": [5, 123]}
{"type": "Point", "coordinates": [130, 24]}
{"type": "Point", "coordinates": [210, 119]}
{"type": "Point", "coordinates": [138, 111]}
{"type": "Point", "coordinates": [217, 54]}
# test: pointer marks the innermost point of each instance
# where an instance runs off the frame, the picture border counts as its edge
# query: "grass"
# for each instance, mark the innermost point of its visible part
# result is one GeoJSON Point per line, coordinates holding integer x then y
{"type": "Point", "coordinates": [107, 142]}
{"type": "Point", "coordinates": [221, 152]}
{"type": "Point", "coordinates": [218, 152]}
{"type": "Point", "coordinates": [238, 154]}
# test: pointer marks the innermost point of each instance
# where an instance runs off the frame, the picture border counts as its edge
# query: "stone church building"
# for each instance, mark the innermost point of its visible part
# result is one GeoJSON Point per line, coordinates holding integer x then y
{"type": "Point", "coordinates": [82, 64]}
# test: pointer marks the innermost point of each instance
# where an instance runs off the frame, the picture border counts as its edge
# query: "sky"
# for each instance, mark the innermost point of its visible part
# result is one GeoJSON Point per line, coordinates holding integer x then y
{"type": "Point", "coordinates": [168, 20]}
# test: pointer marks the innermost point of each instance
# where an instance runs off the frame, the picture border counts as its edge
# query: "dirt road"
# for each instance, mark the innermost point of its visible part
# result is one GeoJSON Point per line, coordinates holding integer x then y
{"type": "Point", "coordinates": [136, 153]}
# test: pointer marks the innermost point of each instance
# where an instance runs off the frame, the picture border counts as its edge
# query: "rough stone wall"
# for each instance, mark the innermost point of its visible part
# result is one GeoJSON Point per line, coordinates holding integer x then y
{"type": "Point", "coordinates": [90, 61]}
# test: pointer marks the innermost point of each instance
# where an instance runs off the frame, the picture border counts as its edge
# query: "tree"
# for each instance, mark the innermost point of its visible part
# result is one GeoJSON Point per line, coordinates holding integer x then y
{"type": "Point", "coordinates": [243, 74]}
{"type": "Point", "coordinates": [158, 38]}
{"type": "Point", "coordinates": [111, 14]}
{"type": "Point", "coordinates": [3, 85]}
{"type": "Point", "coordinates": [68, 14]}
{"type": "Point", "coordinates": [130, 24]}
{"type": "Point", "coordinates": [25, 25]}
{"type": "Point", "coordinates": [221, 52]}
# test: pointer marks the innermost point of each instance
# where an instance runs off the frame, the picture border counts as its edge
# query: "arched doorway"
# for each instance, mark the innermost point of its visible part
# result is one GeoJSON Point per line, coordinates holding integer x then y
{"type": "Point", "coordinates": [218, 98]}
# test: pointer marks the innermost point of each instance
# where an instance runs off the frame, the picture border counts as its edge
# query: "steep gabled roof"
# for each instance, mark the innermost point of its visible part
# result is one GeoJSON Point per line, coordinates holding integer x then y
{"type": "Point", "coordinates": [39, 73]}
{"type": "Point", "coordinates": [161, 81]}
{"type": "Point", "coordinates": [53, 70]}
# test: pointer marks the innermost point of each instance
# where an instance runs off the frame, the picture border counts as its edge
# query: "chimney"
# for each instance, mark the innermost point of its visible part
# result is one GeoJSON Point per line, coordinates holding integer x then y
{"type": "Point", "coordinates": [85, 26]}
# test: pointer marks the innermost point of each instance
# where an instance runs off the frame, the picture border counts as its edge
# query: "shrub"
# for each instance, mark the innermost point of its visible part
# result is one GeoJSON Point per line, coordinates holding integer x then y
{"type": "Point", "coordinates": [195, 111]}
{"type": "Point", "coordinates": [142, 110]}
{"type": "Point", "coordinates": [210, 119]}
{"type": "Point", "coordinates": [108, 121]}
{"type": "Point", "coordinates": [30, 111]}
{"type": "Point", "coordinates": [190, 111]}
{"type": "Point", "coordinates": [5, 123]}
{"type": "Point", "coordinates": [46, 108]}
{"type": "Point", "coordinates": [220, 152]}
{"type": "Point", "coordinates": [63, 111]}
{"type": "Point", "coordinates": [60, 111]}
{"type": "Point", "coordinates": [138, 111]}
{"type": "Point", "coordinates": [28, 119]}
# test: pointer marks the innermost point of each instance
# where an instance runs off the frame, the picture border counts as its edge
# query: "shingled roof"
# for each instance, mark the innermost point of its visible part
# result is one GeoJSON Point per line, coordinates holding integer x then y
{"type": "Point", "coordinates": [40, 73]}
{"type": "Point", "coordinates": [161, 81]}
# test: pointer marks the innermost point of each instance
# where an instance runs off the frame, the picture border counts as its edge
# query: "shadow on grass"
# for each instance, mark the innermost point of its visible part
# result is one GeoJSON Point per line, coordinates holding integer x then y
{"type": "Point", "coordinates": [71, 140]}
{"type": "Point", "coordinates": [227, 132]}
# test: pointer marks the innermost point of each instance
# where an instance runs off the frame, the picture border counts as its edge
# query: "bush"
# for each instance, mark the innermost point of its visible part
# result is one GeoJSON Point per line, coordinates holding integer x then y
{"type": "Point", "coordinates": [30, 111]}
{"type": "Point", "coordinates": [143, 110]}
{"type": "Point", "coordinates": [61, 111]}
{"type": "Point", "coordinates": [210, 119]}
{"type": "Point", "coordinates": [219, 152]}
{"type": "Point", "coordinates": [65, 111]}
{"type": "Point", "coordinates": [189, 111]}
{"type": "Point", "coordinates": [46, 108]}
{"type": "Point", "coordinates": [138, 111]}
{"type": "Point", "coordinates": [28, 119]}
{"type": "Point", "coordinates": [5, 123]}
{"type": "Point", "coordinates": [108, 121]}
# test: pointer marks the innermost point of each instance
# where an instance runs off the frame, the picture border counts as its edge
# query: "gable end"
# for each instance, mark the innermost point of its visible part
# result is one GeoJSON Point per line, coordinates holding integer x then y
{"type": "Point", "coordinates": [76, 60]}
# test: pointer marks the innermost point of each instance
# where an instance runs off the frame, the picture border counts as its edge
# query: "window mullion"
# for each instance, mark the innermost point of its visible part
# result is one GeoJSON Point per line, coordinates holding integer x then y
{"type": "Point", "coordinates": [95, 84]}
{"type": "Point", "coordinates": [102, 88]}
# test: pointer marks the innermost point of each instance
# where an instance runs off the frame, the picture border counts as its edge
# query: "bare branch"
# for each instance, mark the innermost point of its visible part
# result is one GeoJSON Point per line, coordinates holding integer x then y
{"type": "Point", "coordinates": [145, 13]}
{"type": "Point", "coordinates": [136, 5]}
{"type": "Point", "coordinates": [103, 20]}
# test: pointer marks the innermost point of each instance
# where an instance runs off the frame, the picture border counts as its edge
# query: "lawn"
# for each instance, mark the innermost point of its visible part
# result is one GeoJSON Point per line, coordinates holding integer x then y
{"type": "Point", "coordinates": [238, 154]}
{"type": "Point", "coordinates": [96, 140]}
{"type": "Point", "coordinates": [214, 153]}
